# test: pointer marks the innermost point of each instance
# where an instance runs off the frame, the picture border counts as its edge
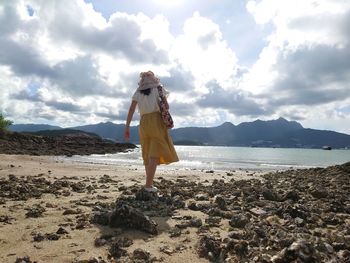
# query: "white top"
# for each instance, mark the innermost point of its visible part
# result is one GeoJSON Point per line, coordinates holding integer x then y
{"type": "Point", "coordinates": [148, 103]}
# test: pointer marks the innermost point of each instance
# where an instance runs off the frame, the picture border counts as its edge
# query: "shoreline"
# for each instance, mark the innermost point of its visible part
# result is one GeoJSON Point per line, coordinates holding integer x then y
{"type": "Point", "coordinates": [47, 208]}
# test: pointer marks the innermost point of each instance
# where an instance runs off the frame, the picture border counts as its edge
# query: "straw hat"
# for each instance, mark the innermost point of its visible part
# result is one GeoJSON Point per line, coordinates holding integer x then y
{"type": "Point", "coordinates": [148, 80]}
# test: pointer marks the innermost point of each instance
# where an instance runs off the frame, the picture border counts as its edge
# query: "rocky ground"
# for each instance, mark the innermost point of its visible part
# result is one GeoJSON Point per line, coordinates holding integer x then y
{"type": "Point", "coordinates": [70, 144]}
{"type": "Point", "coordinates": [291, 216]}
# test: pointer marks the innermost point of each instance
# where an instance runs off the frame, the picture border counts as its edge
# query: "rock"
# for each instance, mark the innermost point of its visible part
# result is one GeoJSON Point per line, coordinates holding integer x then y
{"type": "Point", "coordinates": [72, 211]}
{"type": "Point", "coordinates": [126, 216]}
{"type": "Point", "coordinates": [344, 255]}
{"type": "Point", "coordinates": [258, 211]}
{"type": "Point", "coordinates": [140, 254]}
{"type": "Point", "coordinates": [178, 202]}
{"type": "Point", "coordinates": [79, 143]}
{"type": "Point", "coordinates": [124, 241]}
{"type": "Point", "coordinates": [167, 250]}
{"type": "Point", "coordinates": [299, 251]}
{"type": "Point", "coordinates": [6, 219]}
{"type": "Point", "coordinates": [99, 242]}
{"type": "Point", "coordinates": [61, 231]}
{"type": "Point", "coordinates": [209, 247]}
{"type": "Point", "coordinates": [213, 221]}
{"type": "Point", "coordinates": [319, 193]}
{"type": "Point", "coordinates": [38, 237]}
{"type": "Point", "coordinates": [239, 247]}
{"type": "Point", "coordinates": [192, 205]}
{"type": "Point", "coordinates": [270, 195]}
{"type": "Point", "coordinates": [52, 236]}
{"type": "Point", "coordinates": [101, 218]}
{"type": "Point", "coordinates": [175, 232]}
{"type": "Point", "coordinates": [195, 222]}
{"type": "Point", "coordinates": [202, 197]}
{"type": "Point", "coordinates": [239, 221]}
{"type": "Point", "coordinates": [144, 195]}
{"type": "Point", "coordinates": [239, 234]}
{"type": "Point", "coordinates": [291, 195]}
{"type": "Point", "coordinates": [25, 259]}
{"type": "Point", "coordinates": [299, 221]}
{"type": "Point", "coordinates": [220, 201]}
{"type": "Point", "coordinates": [116, 251]}
{"type": "Point", "coordinates": [78, 187]}
{"type": "Point", "coordinates": [35, 211]}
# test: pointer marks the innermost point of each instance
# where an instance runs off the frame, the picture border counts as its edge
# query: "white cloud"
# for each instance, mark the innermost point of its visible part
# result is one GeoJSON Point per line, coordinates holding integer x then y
{"type": "Point", "coordinates": [86, 66]}
{"type": "Point", "coordinates": [304, 68]}
{"type": "Point", "coordinates": [202, 50]}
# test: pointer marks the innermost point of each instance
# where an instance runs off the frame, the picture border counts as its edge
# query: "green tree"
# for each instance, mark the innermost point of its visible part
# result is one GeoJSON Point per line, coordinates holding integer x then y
{"type": "Point", "coordinates": [4, 123]}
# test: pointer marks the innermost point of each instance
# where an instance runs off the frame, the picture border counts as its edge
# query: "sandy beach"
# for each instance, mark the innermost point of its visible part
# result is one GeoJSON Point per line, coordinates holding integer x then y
{"type": "Point", "coordinates": [16, 235]}
{"type": "Point", "coordinates": [48, 207]}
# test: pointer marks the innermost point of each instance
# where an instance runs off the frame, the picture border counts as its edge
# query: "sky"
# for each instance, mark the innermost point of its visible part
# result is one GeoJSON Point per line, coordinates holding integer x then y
{"type": "Point", "coordinates": [76, 62]}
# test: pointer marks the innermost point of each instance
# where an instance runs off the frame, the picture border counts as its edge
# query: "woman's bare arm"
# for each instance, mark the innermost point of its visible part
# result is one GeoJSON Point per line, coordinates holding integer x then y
{"type": "Point", "coordinates": [129, 118]}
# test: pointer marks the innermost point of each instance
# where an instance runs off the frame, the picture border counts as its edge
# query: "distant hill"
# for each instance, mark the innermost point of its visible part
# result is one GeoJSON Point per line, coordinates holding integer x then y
{"type": "Point", "coordinates": [109, 130]}
{"type": "Point", "coordinates": [187, 142]}
{"type": "Point", "coordinates": [62, 132]}
{"type": "Point", "coordinates": [272, 133]}
{"type": "Point", "coordinates": [32, 127]}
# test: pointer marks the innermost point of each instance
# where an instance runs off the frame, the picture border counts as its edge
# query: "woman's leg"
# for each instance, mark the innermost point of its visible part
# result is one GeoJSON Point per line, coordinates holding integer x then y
{"type": "Point", "coordinates": [151, 168]}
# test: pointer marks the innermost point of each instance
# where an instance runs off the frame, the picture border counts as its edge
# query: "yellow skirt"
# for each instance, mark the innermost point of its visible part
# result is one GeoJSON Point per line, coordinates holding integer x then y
{"type": "Point", "coordinates": [155, 139]}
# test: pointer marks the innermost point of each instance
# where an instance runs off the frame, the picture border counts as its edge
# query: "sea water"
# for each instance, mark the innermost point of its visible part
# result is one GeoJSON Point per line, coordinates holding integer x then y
{"type": "Point", "coordinates": [231, 158]}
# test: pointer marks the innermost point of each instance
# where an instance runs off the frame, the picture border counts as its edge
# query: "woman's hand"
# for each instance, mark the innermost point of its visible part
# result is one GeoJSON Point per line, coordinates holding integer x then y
{"type": "Point", "coordinates": [127, 133]}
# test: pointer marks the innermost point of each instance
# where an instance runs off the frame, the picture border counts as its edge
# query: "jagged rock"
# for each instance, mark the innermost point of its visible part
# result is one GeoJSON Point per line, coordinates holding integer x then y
{"type": "Point", "coordinates": [116, 251]}
{"type": "Point", "coordinates": [258, 211]}
{"type": "Point", "coordinates": [239, 234]}
{"type": "Point", "coordinates": [25, 259]}
{"type": "Point", "coordinates": [192, 205]}
{"type": "Point", "coordinates": [319, 193]}
{"type": "Point", "coordinates": [35, 211]}
{"type": "Point", "coordinates": [38, 237]}
{"type": "Point", "coordinates": [270, 195]}
{"type": "Point", "coordinates": [126, 216]}
{"type": "Point", "coordinates": [124, 241]}
{"type": "Point", "coordinates": [299, 251]}
{"type": "Point", "coordinates": [6, 219]}
{"type": "Point", "coordinates": [220, 201]}
{"type": "Point", "coordinates": [291, 195]}
{"type": "Point", "coordinates": [167, 250]}
{"type": "Point", "coordinates": [101, 218]}
{"type": "Point", "coordinates": [99, 242]}
{"type": "Point", "coordinates": [61, 231]}
{"type": "Point", "coordinates": [239, 221]}
{"type": "Point", "coordinates": [344, 255]}
{"type": "Point", "coordinates": [210, 247]}
{"type": "Point", "coordinates": [178, 202]}
{"type": "Point", "coordinates": [213, 221]}
{"type": "Point", "coordinates": [140, 254]}
{"type": "Point", "coordinates": [202, 197]}
{"type": "Point", "coordinates": [72, 211]}
{"type": "Point", "coordinates": [66, 144]}
{"type": "Point", "coordinates": [239, 247]}
{"type": "Point", "coordinates": [175, 232]}
{"type": "Point", "coordinates": [195, 222]}
{"type": "Point", "coordinates": [144, 195]}
{"type": "Point", "coordinates": [52, 236]}
{"type": "Point", "coordinates": [78, 187]}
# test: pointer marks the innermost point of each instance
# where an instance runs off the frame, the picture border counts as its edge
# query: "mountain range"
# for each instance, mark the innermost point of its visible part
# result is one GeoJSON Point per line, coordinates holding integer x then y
{"type": "Point", "coordinates": [272, 133]}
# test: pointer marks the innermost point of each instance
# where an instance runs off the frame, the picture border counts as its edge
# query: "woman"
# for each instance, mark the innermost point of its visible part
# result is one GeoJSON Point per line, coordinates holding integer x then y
{"type": "Point", "coordinates": [156, 144]}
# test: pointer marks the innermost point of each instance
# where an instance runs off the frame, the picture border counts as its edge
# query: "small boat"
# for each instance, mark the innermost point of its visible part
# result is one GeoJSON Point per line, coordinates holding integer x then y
{"type": "Point", "coordinates": [326, 147]}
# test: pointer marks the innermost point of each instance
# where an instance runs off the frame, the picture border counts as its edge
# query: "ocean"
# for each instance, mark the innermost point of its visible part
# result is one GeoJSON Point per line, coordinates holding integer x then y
{"type": "Point", "coordinates": [230, 158]}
